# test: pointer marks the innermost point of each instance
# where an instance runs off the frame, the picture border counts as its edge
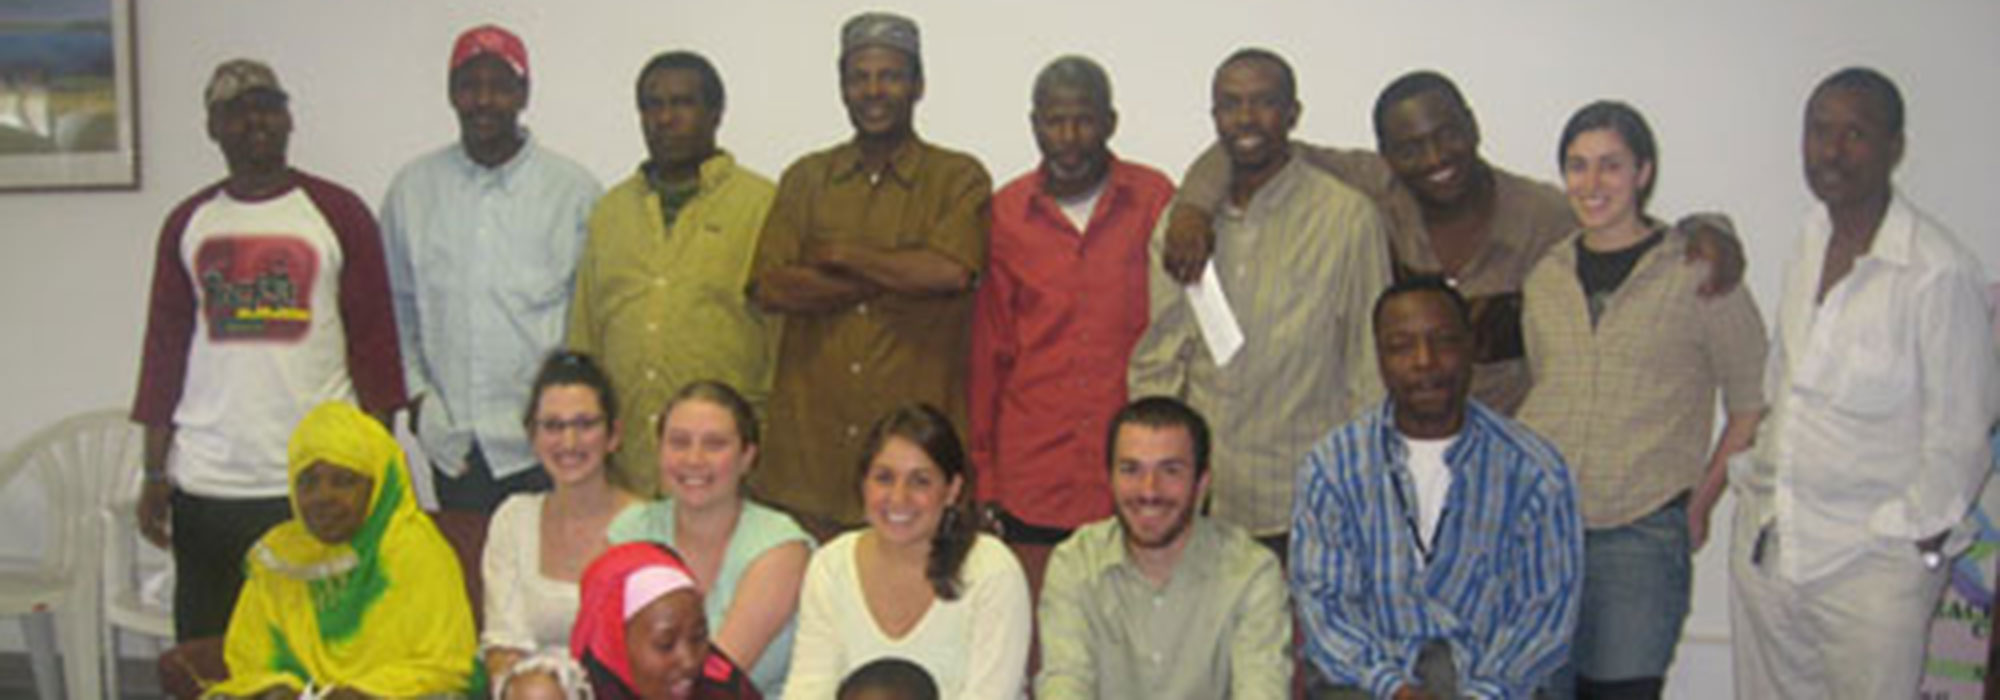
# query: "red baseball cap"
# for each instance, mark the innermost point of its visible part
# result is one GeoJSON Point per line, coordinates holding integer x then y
{"type": "Point", "coordinates": [491, 39]}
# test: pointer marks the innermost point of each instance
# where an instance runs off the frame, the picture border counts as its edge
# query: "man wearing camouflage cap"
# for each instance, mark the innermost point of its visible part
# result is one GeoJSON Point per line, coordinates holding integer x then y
{"type": "Point", "coordinates": [870, 251]}
{"type": "Point", "coordinates": [269, 297]}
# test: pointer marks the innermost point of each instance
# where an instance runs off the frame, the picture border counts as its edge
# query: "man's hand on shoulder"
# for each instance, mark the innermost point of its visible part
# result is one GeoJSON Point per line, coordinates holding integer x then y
{"type": "Point", "coordinates": [1190, 240]}
{"type": "Point", "coordinates": [1712, 240]}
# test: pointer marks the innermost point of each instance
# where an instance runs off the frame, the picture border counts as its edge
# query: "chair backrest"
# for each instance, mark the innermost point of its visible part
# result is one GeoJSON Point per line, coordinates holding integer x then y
{"type": "Point", "coordinates": [76, 464]}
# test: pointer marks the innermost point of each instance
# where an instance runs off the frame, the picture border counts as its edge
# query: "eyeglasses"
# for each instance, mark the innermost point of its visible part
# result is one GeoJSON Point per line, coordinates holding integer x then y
{"type": "Point", "coordinates": [558, 425]}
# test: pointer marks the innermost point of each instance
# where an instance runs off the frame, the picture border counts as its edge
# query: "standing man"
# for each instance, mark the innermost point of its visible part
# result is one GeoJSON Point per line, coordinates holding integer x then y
{"type": "Point", "coordinates": [1436, 545]}
{"type": "Point", "coordinates": [1447, 212]}
{"type": "Point", "coordinates": [1159, 602]}
{"type": "Point", "coordinates": [1857, 491]}
{"type": "Point", "coordinates": [870, 253]}
{"type": "Point", "coordinates": [1063, 302]}
{"type": "Point", "coordinates": [1299, 257]}
{"type": "Point", "coordinates": [269, 297]}
{"type": "Point", "coordinates": [659, 296]}
{"type": "Point", "coordinates": [482, 238]}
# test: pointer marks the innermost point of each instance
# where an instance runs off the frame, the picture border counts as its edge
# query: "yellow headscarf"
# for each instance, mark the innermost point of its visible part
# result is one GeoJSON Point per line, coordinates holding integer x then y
{"type": "Point", "coordinates": [385, 613]}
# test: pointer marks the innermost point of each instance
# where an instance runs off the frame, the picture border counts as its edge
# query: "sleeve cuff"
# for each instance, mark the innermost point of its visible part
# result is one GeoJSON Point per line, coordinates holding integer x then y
{"type": "Point", "coordinates": [1485, 689]}
{"type": "Point", "coordinates": [1383, 681]}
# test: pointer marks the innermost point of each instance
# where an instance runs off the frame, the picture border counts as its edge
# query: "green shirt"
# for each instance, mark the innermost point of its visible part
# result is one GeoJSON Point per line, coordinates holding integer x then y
{"type": "Point", "coordinates": [1220, 628]}
{"type": "Point", "coordinates": [662, 308]}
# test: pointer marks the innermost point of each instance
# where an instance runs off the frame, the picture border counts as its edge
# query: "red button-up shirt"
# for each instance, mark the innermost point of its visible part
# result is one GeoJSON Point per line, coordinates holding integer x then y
{"type": "Point", "coordinates": [1056, 317]}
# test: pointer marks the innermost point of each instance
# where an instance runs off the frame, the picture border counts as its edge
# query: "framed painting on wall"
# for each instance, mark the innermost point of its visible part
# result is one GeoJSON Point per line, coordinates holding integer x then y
{"type": "Point", "coordinates": [68, 82]}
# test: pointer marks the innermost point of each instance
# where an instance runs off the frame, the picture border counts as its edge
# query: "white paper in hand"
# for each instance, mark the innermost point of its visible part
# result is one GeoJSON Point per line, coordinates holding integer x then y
{"type": "Point", "coordinates": [1213, 315]}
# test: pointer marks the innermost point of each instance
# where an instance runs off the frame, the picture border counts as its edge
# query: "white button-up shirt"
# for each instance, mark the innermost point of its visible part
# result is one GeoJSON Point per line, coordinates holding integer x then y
{"type": "Point", "coordinates": [1881, 397]}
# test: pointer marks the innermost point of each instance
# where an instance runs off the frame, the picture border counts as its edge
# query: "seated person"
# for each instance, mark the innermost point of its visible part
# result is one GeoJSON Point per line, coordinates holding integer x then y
{"type": "Point", "coordinates": [640, 631]}
{"type": "Point", "coordinates": [919, 582]}
{"type": "Point", "coordinates": [357, 595]}
{"type": "Point", "coordinates": [572, 424]}
{"type": "Point", "coordinates": [888, 679]}
{"type": "Point", "coordinates": [1411, 585]}
{"type": "Point", "coordinates": [1159, 601]}
{"type": "Point", "coordinates": [748, 559]}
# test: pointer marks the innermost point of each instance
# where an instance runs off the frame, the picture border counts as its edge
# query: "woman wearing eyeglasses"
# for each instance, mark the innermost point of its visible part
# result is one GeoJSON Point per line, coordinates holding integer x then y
{"type": "Point", "coordinates": [539, 543]}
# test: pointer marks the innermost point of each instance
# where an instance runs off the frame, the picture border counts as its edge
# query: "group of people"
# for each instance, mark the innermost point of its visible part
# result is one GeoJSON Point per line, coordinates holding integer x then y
{"type": "Point", "coordinates": [1422, 426]}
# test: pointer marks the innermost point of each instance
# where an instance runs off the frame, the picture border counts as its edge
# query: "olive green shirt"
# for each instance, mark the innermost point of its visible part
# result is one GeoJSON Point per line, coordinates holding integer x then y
{"type": "Point", "coordinates": [660, 308]}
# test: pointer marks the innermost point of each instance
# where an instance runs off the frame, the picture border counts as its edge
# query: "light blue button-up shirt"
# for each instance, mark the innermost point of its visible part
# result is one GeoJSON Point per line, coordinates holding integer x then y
{"type": "Point", "coordinates": [481, 263]}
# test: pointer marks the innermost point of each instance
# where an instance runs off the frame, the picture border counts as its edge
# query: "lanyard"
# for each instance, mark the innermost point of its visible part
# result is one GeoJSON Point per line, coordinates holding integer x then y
{"type": "Point", "coordinates": [1410, 519]}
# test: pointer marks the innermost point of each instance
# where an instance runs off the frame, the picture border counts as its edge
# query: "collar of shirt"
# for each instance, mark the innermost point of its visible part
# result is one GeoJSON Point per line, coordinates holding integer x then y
{"type": "Point", "coordinates": [1273, 194]}
{"type": "Point", "coordinates": [1117, 190]}
{"type": "Point", "coordinates": [1894, 236]}
{"type": "Point", "coordinates": [1396, 448]}
{"type": "Point", "coordinates": [714, 172]}
{"type": "Point", "coordinates": [502, 175]}
{"type": "Point", "coordinates": [902, 168]}
{"type": "Point", "coordinates": [1197, 560]}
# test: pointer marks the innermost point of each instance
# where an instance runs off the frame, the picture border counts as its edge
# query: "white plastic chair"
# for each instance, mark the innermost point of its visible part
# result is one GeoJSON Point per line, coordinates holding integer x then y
{"type": "Point", "coordinates": [128, 559]}
{"type": "Point", "coordinates": [69, 465]}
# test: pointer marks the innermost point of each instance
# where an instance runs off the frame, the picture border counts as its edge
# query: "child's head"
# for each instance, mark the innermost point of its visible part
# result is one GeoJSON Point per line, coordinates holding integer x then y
{"type": "Point", "coordinates": [888, 679]}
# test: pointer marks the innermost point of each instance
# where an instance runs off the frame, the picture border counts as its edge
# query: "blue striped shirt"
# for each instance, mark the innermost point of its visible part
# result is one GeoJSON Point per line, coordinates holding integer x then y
{"type": "Point", "coordinates": [1500, 586]}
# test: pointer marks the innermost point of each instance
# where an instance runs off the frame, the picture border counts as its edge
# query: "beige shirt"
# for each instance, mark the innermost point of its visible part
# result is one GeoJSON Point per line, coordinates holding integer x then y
{"type": "Point", "coordinates": [1631, 402]}
{"type": "Point", "coordinates": [1301, 266]}
{"type": "Point", "coordinates": [662, 308]}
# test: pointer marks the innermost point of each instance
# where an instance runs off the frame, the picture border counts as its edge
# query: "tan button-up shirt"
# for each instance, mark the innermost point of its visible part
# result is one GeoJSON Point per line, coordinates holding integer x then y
{"type": "Point", "coordinates": [1631, 402]}
{"type": "Point", "coordinates": [1301, 265]}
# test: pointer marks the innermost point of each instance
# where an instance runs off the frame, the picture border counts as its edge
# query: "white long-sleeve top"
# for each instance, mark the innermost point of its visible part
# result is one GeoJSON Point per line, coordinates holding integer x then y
{"type": "Point", "coordinates": [975, 647]}
{"type": "Point", "coordinates": [1881, 397]}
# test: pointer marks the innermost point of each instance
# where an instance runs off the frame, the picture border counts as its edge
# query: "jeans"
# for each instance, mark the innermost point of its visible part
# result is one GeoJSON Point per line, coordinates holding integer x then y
{"type": "Point", "coordinates": [1637, 582]}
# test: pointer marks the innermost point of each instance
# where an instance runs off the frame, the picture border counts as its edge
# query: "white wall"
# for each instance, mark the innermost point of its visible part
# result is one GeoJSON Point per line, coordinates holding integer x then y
{"type": "Point", "coordinates": [1723, 84]}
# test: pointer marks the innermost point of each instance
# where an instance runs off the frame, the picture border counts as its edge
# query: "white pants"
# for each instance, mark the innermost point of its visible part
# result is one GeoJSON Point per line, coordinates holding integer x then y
{"type": "Point", "coordinates": [1858, 633]}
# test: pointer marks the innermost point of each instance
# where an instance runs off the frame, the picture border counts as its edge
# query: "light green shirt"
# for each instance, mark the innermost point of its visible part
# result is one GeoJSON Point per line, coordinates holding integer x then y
{"type": "Point", "coordinates": [662, 308]}
{"type": "Point", "coordinates": [1220, 628]}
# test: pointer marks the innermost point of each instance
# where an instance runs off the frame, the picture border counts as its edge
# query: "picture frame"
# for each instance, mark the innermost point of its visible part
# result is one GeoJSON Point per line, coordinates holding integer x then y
{"type": "Point", "coordinates": [69, 113]}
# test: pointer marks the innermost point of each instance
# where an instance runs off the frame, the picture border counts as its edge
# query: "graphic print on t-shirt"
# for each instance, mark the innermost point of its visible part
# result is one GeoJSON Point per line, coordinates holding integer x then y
{"type": "Point", "coordinates": [256, 287]}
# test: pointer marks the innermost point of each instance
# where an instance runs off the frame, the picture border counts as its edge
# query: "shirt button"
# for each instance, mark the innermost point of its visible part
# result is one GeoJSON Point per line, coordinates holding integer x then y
{"type": "Point", "coordinates": [652, 327]}
{"type": "Point", "coordinates": [651, 375]}
{"type": "Point", "coordinates": [853, 430]}
{"type": "Point", "coordinates": [1242, 270]}
{"type": "Point", "coordinates": [861, 308]}
{"type": "Point", "coordinates": [1156, 658]}
{"type": "Point", "coordinates": [659, 281]}
{"type": "Point", "coordinates": [854, 367]}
